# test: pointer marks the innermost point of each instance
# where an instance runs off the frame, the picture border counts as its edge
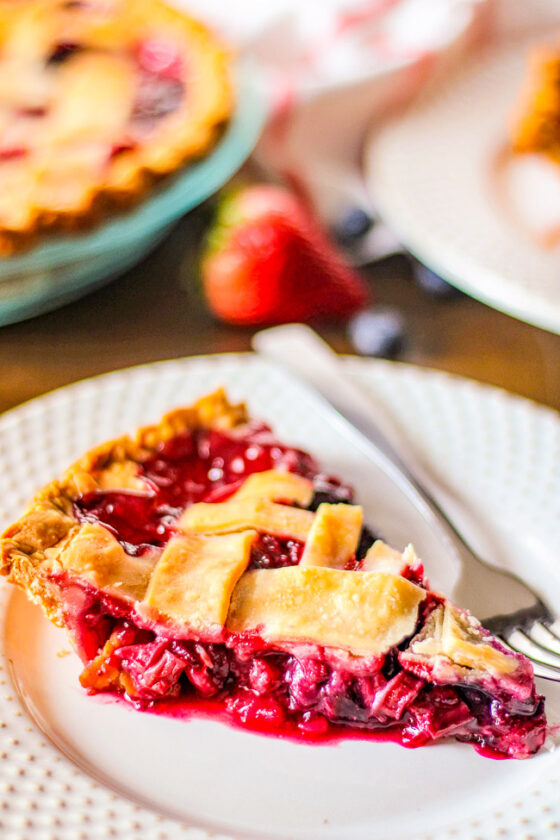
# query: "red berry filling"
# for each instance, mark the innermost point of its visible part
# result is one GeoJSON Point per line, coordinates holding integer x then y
{"type": "Point", "coordinates": [13, 153]}
{"type": "Point", "coordinates": [156, 97]}
{"type": "Point", "coordinates": [204, 466]}
{"type": "Point", "coordinates": [272, 552]}
{"type": "Point", "coordinates": [308, 695]}
{"type": "Point", "coordinates": [125, 145]}
{"type": "Point", "coordinates": [160, 58]}
{"type": "Point", "coordinates": [32, 112]}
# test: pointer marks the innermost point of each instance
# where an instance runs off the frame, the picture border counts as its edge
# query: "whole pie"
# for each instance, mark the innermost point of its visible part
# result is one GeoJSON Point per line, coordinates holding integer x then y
{"type": "Point", "coordinates": [98, 99]}
{"type": "Point", "coordinates": [206, 564]}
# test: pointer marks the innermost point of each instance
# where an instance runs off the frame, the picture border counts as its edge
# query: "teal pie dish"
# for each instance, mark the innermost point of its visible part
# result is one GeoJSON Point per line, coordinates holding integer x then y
{"type": "Point", "coordinates": [64, 267]}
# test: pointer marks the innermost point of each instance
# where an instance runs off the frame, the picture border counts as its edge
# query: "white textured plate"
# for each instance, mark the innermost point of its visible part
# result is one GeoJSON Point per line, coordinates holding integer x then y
{"type": "Point", "coordinates": [432, 174]}
{"type": "Point", "coordinates": [129, 772]}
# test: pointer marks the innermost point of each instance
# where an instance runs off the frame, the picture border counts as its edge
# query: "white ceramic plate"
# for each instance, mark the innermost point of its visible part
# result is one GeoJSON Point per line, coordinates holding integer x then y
{"type": "Point", "coordinates": [79, 768]}
{"type": "Point", "coordinates": [433, 175]}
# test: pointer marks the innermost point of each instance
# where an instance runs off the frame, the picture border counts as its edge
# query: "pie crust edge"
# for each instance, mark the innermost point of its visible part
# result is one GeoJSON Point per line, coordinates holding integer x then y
{"type": "Point", "coordinates": [48, 525]}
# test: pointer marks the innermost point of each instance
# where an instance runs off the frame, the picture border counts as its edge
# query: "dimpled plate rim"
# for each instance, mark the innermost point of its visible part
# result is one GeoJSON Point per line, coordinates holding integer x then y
{"type": "Point", "coordinates": [494, 447]}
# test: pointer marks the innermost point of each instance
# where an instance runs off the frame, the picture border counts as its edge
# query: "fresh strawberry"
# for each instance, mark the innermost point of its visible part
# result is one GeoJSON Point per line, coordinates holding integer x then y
{"type": "Point", "coordinates": [268, 262]}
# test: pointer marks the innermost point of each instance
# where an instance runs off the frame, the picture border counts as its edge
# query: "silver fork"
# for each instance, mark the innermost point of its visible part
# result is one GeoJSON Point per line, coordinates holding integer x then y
{"type": "Point", "coordinates": [505, 604]}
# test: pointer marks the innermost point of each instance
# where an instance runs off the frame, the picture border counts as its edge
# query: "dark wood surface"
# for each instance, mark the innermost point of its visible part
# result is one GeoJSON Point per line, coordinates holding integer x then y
{"type": "Point", "coordinates": [155, 311]}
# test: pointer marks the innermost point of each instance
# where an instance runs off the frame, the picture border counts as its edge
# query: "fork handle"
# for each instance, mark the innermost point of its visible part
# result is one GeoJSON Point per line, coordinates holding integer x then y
{"type": "Point", "coordinates": [301, 350]}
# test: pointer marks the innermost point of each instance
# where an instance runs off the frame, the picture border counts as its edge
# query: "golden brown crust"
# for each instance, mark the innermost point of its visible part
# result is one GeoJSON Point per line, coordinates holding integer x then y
{"type": "Point", "coordinates": [333, 537]}
{"type": "Point", "coordinates": [195, 577]}
{"type": "Point", "coordinates": [95, 556]}
{"type": "Point", "coordinates": [276, 485]}
{"type": "Point", "coordinates": [452, 636]}
{"type": "Point", "coordinates": [536, 119]}
{"type": "Point", "coordinates": [30, 547]}
{"type": "Point", "coordinates": [247, 514]}
{"type": "Point", "coordinates": [78, 169]}
{"type": "Point", "coordinates": [364, 612]}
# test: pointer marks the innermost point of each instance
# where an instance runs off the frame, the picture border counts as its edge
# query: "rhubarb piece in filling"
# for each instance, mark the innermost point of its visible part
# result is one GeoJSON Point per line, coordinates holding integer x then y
{"type": "Point", "coordinates": [207, 564]}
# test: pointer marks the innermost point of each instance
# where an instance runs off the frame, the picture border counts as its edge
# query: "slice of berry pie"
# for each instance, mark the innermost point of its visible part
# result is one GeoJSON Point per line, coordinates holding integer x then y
{"type": "Point", "coordinates": [206, 562]}
{"type": "Point", "coordinates": [98, 98]}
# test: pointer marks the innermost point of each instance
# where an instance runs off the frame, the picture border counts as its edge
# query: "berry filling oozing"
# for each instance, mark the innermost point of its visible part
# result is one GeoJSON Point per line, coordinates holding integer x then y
{"type": "Point", "coordinates": [310, 693]}
{"type": "Point", "coordinates": [161, 87]}
{"type": "Point", "coordinates": [308, 696]}
{"type": "Point", "coordinates": [205, 466]}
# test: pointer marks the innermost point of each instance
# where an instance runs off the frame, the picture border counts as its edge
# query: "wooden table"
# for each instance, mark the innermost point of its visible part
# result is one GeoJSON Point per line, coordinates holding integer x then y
{"type": "Point", "coordinates": [155, 312]}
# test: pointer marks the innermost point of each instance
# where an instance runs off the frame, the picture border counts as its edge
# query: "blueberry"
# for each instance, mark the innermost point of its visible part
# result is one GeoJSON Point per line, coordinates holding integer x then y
{"type": "Point", "coordinates": [432, 283]}
{"type": "Point", "coordinates": [377, 332]}
{"type": "Point", "coordinates": [353, 225]}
